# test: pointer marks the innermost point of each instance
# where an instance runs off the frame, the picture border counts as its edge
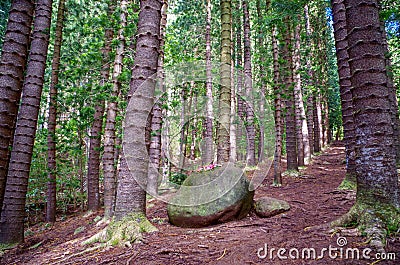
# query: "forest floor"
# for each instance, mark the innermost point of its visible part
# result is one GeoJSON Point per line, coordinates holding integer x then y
{"type": "Point", "coordinates": [314, 200]}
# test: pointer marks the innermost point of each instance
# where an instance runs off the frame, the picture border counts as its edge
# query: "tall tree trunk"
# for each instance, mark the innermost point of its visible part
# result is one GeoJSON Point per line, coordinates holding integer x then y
{"type": "Point", "coordinates": [304, 155]}
{"type": "Point", "coordinates": [12, 66]}
{"type": "Point", "coordinates": [13, 214]}
{"type": "Point", "coordinates": [392, 92]}
{"type": "Point", "coordinates": [377, 179]}
{"type": "Point", "coordinates": [340, 32]}
{"type": "Point", "coordinates": [157, 119]}
{"type": "Point", "coordinates": [248, 83]}
{"type": "Point", "coordinates": [278, 113]}
{"type": "Point", "coordinates": [208, 155]}
{"type": "Point", "coordinates": [233, 127]}
{"type": "Point", "coordinates": [239, 72]}
{"type": "Point", "coordinates": [225, 91]}
{"type": "Point", "coordinates": [377, 199]}
{"type": "Point", "coordinates": [110, 143]}
{"type": "Point", "coordinates": [291, 141]}
{"type": "Point", "coordinates": [52, 120]}
{"type": "Point", "coordinates": [316, 122]}
{"type": "Point", "coordinates": [131, 197]}
{"type": "Point", "coordinates": [93, 174]}
{"type": "Point", "coordinates": [309, 82]}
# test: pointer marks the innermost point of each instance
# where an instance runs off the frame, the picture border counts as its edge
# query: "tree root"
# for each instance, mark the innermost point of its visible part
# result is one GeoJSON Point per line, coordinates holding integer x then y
{"type": "Point", "coordinates": [373, 220]}
{"type": "Point", "coordinates": [123, 232]}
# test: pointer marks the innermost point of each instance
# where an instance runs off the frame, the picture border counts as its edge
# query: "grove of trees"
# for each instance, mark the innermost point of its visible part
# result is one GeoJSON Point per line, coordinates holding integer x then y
{"type": "Point", "coordinates": [83, 124]}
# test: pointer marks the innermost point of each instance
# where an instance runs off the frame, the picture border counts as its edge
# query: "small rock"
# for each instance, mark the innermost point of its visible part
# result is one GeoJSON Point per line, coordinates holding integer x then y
{"type": "Point", "coordinates": [268, 207]}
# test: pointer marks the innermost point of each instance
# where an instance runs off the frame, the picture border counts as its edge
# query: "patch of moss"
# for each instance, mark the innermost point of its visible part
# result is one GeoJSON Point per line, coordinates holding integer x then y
{"type": "Point", "coordinates": [347, 184]}
{"type": "Point", "coordinates": [127, 230]}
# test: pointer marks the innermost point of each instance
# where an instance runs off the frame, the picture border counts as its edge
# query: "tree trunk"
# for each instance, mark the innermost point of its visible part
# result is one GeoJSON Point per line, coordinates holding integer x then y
{"type": "Point", "coordinates": [157, 119]}
{"type": "Point", "coordinates": [291, 143]}
{"type": "Point", "coordinates": [377, 199]}
{"type": "Point", "coordinates": [278, 113]}
{"type": "Point", "coordinates": [93, 174]}
{"type": "Point", "coordinates": [225, 91]}
{"type": "Point", "coordinates": [392, 93]}
{"type": "Point", "coordinates": [131, 197]}
{"type": "Point", "coordinates": [208, 153]}
{"type": "Point", "coordinates": [309, 83]}
{"type": "Point", "coordinates": [110, 143]}
{"type": "Point", "coordinates": [377, 180]}
{"type": "Point", "coordinates": [239, 72]}
{"type": "Point", "coordinates": [316, 122]}
{"type": "Point", "coordinates": [12, 66]}
{"type": "Point", "coordinates": [304, 155]}
{"type": "Point", "coordinates": [52, 120]}
{"type": "Point", "coordinates": [340, 32]}
{"type": "Point", "coordinates": [13, 214]}
{"type": "Point", "coordinates": [248, 83]}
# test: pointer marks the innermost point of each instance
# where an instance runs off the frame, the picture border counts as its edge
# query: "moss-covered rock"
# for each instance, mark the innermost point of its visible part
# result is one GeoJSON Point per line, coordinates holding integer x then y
{"type": "Point", "coordinates": [211, 197]}
{"type": "Point", "coordinates": [268, 207]}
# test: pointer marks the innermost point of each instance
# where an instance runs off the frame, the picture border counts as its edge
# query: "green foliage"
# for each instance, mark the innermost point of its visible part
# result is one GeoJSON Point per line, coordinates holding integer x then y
{"type": "Point", "coordinates": [178, 178]}
{"type": "Point", "coordinates": [4, 7]}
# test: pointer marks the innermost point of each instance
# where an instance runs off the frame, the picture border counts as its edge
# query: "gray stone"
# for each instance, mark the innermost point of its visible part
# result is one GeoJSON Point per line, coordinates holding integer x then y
{"type": "Point", "coordinates": [211, 197]}
{"type": "Point", "coordinates": [268, 207]}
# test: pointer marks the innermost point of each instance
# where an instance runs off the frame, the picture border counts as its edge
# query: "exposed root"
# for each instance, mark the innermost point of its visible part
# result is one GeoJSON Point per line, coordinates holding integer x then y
{"type": "Point", "coordinates": [375, 222]}
{"type": "Point", "coordinates": [124, 232]}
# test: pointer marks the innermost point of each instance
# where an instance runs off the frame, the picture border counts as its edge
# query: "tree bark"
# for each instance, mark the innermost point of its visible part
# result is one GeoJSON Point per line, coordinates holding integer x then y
{"type": "Point", "coordinates": [131, 197]}
{"type": "Point", "coordinates": [304, 155]}
{"type": "Point", "coordinates": [377, 179]}
{"type": "Point", "coordinates": [248, 83]}
{"type": "Point", "coordinates": [12, 66]}
{"type": "Point", "coordinates": [225, 91]}
{"type": "Point", "coordinates": [93, 174]}
{"type": "Point", "coordinates": [340, 33]}
{"type": "Point", "coordinates": [309, 82]}
{"type": "Point", "coordinates": [13, 214]}
{"type": "Point", "coordinates": [157, 119]}
{"type": "Point", "coordinates": [291, 141]}
{"type": "Point", "coordinates": [52, 120]}
{"type": "Point", "coordinates": [208, 153]}
{"type": "Point", "coordinates": [278, 113]}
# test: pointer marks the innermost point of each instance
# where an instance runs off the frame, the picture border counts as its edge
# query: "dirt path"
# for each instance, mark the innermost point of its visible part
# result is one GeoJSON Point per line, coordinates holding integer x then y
{"type": "Point", "coordinates": [314, 200]}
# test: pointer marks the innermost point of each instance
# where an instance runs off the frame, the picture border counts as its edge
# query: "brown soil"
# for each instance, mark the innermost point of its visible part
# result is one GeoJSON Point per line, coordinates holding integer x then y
{"type": "Point", "coordinates": [314, 200]}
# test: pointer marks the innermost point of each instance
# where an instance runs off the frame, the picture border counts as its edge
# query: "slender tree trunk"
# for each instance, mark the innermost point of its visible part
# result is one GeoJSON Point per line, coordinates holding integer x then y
{"type": "Point", "coordinates": [233, 127]}
{"type": "Point", "coordinates": [93, 174]}
{"type": "Point", "coordinates": [225, 91]}
{"type": "Point", "coordinates": [291, 143]}
{"type": "Point", "coordinates": [208, 155]}
{"type": "Point", "coordinates": [52, 120]}
{"type": "Point", "coordinates": [239, 66]}
{"type": "Point", "coordinates": [316, 122]}
{"type": "Point", "coordinates": [13, 214]}
{"type": "Point", "coordinates": [12, 66]}
{"type": "Point", "coordinates": [157, 119]}
{"type": "Point", "coordinates": [309, 83]}
{"type": "Point", "coordinates": [304, 155]}
{"type": "Point", "coordinates": [110, 143]}
{"type": "Point", "coordinates": [278, 113]}
{"type": "Point", "coordinates": [131, 197]}
{"type": "Point", "coordinates": [263, 88]}
{"type": "Point", "coordinates": [392, 93]}
{"type": "Point", "coordinates": [248, 83]}
{"type": "Point", "coordinates": [340, 32]}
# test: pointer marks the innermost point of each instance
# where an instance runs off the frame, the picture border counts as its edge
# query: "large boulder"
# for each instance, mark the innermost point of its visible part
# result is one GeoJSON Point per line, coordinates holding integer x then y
{"type": "Point", "coordinates": [211, 197]}
{"type": "Point", "coordinates": [268, 207]}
